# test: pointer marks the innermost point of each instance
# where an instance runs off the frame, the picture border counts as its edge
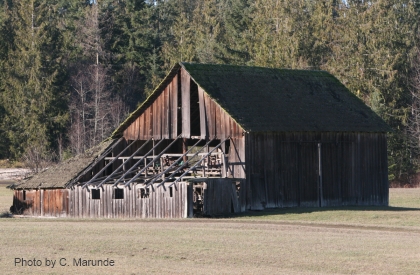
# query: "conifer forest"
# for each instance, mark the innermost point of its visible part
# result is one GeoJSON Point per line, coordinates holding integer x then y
{"type": "Point", "coordinates": [71, 71]}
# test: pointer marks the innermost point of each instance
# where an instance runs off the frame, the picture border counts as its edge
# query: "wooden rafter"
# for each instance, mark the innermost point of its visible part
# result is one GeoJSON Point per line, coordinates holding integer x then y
{"type": "Point", "coordinates": [182, 166]}
{"type": "Point", "coordinates": [121, 166]}
{"type": "Point", "coordinates": [97, 160]}
{"type": "Point", "coordinates": [106, 166]}
{"type": "Point", "coordinates": [186, 172]}
{"type": "Point", "coordinates": [151, 163]}
{"type": "Point", "coordinates": [152, 180]}
{"type": "Point", "coordinates": [129, 171]}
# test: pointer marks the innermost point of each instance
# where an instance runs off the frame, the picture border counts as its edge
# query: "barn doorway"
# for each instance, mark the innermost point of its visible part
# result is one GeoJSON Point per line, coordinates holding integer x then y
{"type": "Point", "coordinates": [324, 169]}
{"type": "Point", "coordinates": [215, 196]}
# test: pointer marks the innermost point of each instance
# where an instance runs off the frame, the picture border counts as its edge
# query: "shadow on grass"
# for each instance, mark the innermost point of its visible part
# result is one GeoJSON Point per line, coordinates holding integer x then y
{"type": "Point", "coordinates": [5, 215]}
{"type": "Point", "coordinates": [307, 210]}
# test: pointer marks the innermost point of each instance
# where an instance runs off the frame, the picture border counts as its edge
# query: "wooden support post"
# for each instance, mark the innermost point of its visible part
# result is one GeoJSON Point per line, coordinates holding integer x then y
{"type": "Point", "coordinates": [184, 149]}
{"type": "Point", "coordinates": [225, 170]}
{"type": "Point", "coordinates": [162, 174]}
{"type": "Point", "coordinates": [320, 199]}
{"type": "Point", "coordinates": [179, 168]}
{"type": "Point", "coordinates": [178, 179]}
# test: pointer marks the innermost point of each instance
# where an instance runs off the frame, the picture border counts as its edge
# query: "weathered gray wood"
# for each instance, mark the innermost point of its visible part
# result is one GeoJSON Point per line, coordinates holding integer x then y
{"type": "Point", "coordinates": [195, 165]}
{"type": "Point", "coordinates": [122, 165]}
{"type": "Point", "coordinates": [110, 163]}
{"type": "Point", "coordinates": [156, 177]}
{"type": "Point", "coordinates": [150, 163]}
{"type": "Point", "coordinates": [203, 118]}
{"type": "Point", "coordinates": [185, 106]}
{"type": "Point", "coordinates": [131, 170]}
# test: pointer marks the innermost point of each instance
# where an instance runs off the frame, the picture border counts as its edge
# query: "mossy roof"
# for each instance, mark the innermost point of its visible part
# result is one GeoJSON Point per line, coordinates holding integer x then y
{"type": "Point", "coordinates": [59, 175]}
{"type": "Point", "coordinates": [276, 100]}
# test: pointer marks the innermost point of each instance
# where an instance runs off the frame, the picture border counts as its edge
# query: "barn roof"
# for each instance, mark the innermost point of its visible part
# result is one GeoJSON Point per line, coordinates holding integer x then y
{"type": "Point", "coordinates": [276, 100]}
{"type": "Point", "coordinates": [57, 176]}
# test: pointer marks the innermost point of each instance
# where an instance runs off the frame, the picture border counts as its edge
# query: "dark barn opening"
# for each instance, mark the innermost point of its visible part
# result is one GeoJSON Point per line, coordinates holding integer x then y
{"type": "Point", "coordinates": [96, 194]}
{"type": "Point", "coordinates": [118, 194]}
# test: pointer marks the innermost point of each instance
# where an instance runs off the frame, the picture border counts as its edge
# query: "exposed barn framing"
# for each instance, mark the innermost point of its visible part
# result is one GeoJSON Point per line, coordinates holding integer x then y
{"type": "Point", "coordinates": [216, 139]}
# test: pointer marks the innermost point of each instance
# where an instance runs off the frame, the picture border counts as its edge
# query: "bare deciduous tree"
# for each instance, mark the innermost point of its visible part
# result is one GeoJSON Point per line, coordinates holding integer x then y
{"type": "Point", "coordinates": [95, 111]}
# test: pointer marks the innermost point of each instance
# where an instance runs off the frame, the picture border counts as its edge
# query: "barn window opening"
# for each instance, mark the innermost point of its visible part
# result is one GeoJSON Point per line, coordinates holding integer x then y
{"type": "Point", "coordinates": [144, 193]}
{"type": "Point", "coordinates": [118, 194]}
{"type": "Point", "coordinates": [95, 194]}
{"type": "Point", "coordinates": [24, 195]}
{"type": "Point", "coordinates": [194, 110]}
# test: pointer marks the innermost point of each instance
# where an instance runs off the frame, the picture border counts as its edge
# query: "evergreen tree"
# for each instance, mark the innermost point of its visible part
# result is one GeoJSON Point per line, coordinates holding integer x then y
{"type": "Point", "coordinates": [372, 57]}
{"type": "Point", "coordinates": [178, 44]}
{"type": "Point", "coordinates": [3, 53]}
{"type": "Point", "coordinates": [207, 23]}
{"type": "Point", "coordinates": [280, 34]}
{"type": "Point", "coordinates": [134, 46]}
{"type": "Point", "coordinates": [29, 93]}
{"type": "Point", "coordinates": [235, 31]}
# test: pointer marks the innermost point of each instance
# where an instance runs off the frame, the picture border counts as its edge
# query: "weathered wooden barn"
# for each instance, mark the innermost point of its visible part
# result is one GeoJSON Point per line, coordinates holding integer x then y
{"type": "Point", "coordinates": [215, 139]}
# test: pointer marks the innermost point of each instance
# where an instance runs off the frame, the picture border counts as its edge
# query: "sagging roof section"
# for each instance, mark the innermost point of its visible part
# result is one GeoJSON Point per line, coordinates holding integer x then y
{"type": "Point", "coordinates": [276, 100]}
{"type": "Point", "coordinates": [58, 176]}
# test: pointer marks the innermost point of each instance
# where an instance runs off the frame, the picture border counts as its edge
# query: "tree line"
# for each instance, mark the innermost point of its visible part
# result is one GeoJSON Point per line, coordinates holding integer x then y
{"type": "Point", "coordinates": [70, 71]}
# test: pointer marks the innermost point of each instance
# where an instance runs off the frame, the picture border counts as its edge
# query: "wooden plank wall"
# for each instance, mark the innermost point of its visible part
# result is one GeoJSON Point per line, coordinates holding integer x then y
{"type": "Point", "coordinates": [159, 204]}
{"type": "Point", "coordinates": [41, 202]}
{"type": "Point", "coordinates": [186, 104]}
{"type": "Point", "coordinates": [220, 197]}
{"type": "Point", "coordinates": [282, 169]}
{"type": "Point", "coordinates": [214, 121]}
{"type": "Point", "coordinates": [160, 120]}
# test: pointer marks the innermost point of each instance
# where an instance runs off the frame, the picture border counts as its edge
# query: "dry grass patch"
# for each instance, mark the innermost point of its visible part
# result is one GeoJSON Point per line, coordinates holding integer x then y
{"type": "Point", "coordinates": [404, 211]}
{"type": "Point", "coordinates": [207, 246]}
{"type": "Point", "coordinates": [353, 241]}
{"type": "Point", "coordinates": [6, 198]}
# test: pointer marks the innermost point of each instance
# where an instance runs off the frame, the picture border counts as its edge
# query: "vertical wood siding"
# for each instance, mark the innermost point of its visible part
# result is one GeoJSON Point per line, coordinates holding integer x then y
{"type": "Point", "coordinates": [185, 106]}
{"type": "Point", "coordinates": [158, 204]}
{"type": "Point", "coordinates": [220, 197]}
{"type": "Point", "coordinates": [214, 121]}
{"type": "Point", "coordinates": [283, 169]}
{"type": "Point", "coordinates": [41, 202]}
{"type": "Point", "coordinates": [161, 119]}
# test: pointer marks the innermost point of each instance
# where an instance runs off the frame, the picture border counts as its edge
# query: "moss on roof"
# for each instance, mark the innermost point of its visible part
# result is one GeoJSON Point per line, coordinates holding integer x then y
{"type": "Point", "coordinates": [277, 100]}
{"type": "Point", "coordinates": [57, 176]}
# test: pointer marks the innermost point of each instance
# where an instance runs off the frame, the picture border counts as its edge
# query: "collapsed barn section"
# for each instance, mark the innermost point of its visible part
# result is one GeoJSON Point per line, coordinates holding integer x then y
{"type": "Point", "coordinates": [219, 139]}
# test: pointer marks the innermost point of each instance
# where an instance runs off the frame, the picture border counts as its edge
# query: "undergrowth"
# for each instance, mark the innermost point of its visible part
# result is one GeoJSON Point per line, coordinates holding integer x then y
{"type": "Point", "coordinates": [5, 163]}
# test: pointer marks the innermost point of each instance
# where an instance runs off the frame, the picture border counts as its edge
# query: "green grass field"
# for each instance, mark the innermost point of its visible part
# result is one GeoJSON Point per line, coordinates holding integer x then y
{"type": "Point", "coordinates": [288, 241]}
